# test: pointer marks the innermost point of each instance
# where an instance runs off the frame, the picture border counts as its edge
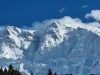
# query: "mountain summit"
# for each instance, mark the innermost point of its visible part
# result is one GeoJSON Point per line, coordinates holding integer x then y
{"type": "Point", "coordinates": [65, 46]}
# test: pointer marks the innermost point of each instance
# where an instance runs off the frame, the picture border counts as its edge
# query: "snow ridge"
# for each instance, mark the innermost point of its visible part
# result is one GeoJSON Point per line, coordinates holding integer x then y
{"type": "Point", "coordinates": [65, 45]}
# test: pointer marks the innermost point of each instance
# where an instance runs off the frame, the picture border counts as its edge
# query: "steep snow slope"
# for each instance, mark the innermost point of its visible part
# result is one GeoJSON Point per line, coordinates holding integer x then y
{"type": "Point", "coordinates": [14, 41]}
{"type": "Point", "coordinates": [65, 46]}
{"type": "Point", "coordinates": [70, 49]}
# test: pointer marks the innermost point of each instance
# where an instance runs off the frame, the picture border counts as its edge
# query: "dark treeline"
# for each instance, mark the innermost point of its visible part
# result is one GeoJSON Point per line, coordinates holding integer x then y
{"type": "Point", "coordinates": [11, 71]}
{"type": "Point", "coordinates": [51, 73]}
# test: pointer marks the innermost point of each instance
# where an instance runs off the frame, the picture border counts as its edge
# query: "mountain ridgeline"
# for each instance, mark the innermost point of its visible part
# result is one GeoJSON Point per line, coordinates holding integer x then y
{"type": "Point", "coordinates": [61, 46]}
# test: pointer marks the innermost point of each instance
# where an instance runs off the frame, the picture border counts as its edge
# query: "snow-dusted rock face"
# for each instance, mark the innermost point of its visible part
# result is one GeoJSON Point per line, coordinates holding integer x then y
{"type": "Point", "coordinates": [14, 41]}
{"type": "Point", "coordinates": [63, 47]}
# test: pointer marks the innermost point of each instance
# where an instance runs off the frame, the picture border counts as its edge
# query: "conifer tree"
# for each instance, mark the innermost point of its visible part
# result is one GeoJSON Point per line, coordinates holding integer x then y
{"type": "Point", "coordinates": [31, 73]}
{"type": "Point", "coordinates": [10, 68]}
{"type": "Point", "coordinates": [55, 73]}
{"type": "Point", "coordinates": [49, 72]}
{"type": "Point", "coordinates": [5, 72]}
{"type": "Point", "coordinates": [19, 73]}
{"type": "Point", "coordinates": [13, 72]}
{"type": "Point", "coordinates": [10, 71]}
{"type": "Point", "coordinates": [1, 71]}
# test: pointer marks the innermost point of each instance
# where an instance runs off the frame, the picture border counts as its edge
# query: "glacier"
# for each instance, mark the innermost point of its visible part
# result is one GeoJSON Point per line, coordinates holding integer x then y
{"type": "Point", "coordinates": [64, 45]}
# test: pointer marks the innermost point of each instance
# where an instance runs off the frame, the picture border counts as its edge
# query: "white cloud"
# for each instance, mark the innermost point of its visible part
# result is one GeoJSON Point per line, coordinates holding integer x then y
{"type": "Point", "coordinates": [95, 14]}
{"type": "Point", "coordinates": [62, 9]}
{"type": "Point", "coordinates": [84, 6]}
{"type": "Point", "coordinates": [64, 20]}
{"type": "Point", "coordinates": [67, 20]}
{"type": "Point", "coordinates": [41, 26]}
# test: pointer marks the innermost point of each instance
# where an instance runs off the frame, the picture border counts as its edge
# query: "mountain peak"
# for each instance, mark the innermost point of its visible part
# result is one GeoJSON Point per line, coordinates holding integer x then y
{"type": "Point", "coordinates": [14, 30]}
{"type": "Point", "coordinates": [63, 45]}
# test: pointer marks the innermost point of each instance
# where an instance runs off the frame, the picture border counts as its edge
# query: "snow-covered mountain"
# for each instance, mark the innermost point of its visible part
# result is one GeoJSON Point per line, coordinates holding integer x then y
{"type": "Point", "coordinates": [65, 46]}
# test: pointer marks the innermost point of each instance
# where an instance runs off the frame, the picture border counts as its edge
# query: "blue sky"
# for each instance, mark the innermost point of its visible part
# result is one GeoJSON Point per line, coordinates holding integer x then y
{"type": "Point", "coordinates": [25, 12]}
